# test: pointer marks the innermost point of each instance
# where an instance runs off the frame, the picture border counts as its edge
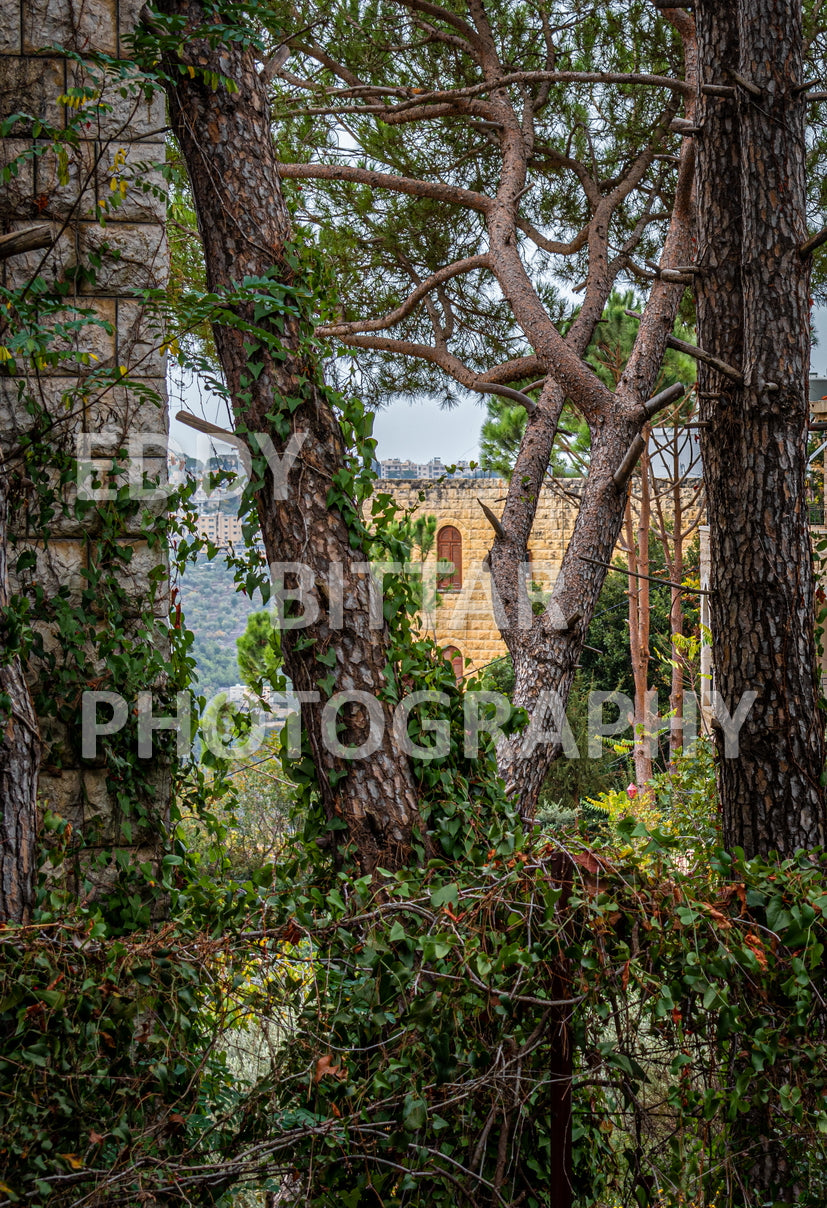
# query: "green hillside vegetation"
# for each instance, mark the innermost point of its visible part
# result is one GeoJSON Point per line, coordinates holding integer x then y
{"type": "Point", "coordinates": [216, 610]}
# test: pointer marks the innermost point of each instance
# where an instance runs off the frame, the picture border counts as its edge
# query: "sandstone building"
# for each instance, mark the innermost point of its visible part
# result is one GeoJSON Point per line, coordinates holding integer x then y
{"type": "Point", "coordinates": [463, 616]}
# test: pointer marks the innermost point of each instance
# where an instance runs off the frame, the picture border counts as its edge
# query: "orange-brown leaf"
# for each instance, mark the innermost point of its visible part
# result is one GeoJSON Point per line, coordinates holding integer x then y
{"type": "Point", "coordinates": [325, 1068]}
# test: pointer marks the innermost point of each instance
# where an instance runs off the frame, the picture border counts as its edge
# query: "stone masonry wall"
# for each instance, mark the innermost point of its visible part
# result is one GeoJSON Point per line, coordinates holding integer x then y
{"type": "Point", "coordinates": [465, 618]}
{"type": "Point", "coordinates": [116, 156]}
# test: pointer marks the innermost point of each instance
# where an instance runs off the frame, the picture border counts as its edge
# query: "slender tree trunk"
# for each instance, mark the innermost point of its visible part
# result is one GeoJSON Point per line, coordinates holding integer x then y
{"type": "Point", "coordinates": [672, 533]}
{"type": "Point", "coordinates": [753, 313]}
{"type": "Point", "coordinates": [226, 141]}
{"type": "Point", "coordinates": [545, 653]}
{"type": "Point", "coordinates": [640, 621]}
{"type": "Point", "coordinates": [19, 761]}
{"type": "Point", "coordinates": [675, 565]}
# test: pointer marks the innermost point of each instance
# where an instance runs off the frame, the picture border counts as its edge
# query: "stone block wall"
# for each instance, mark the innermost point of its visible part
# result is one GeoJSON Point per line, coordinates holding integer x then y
{"type": "Point", "coordinates": [465, 618]}
{"type": "Point", "coordinates": [109, 171]}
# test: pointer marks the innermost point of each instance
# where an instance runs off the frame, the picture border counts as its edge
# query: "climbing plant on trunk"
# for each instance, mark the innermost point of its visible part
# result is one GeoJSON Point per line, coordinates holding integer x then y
{"type": "Point", "coordinates": [219, 112]}
{"type": "Point", "coordinates": [19, 757]}
{"type": "Point", "coordinates": [507, 189]}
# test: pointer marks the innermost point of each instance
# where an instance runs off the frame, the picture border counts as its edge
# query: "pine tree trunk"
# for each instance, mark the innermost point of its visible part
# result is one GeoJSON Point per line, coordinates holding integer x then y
{"type": "Point", "coordinates": [226, 141]}
{"type": "Point", "coordinates": [753, 313]}
{"type": "Point", "coordinates": [19, 761]}
{"type": "Point", "coordinates": [545, 653]}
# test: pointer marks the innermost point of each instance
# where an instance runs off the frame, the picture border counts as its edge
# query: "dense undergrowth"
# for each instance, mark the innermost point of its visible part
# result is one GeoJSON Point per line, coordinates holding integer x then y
{"type": "Point", "coordinates": [407, 1045]}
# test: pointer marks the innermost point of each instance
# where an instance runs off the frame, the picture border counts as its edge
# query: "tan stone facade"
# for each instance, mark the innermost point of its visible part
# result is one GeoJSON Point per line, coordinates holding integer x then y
{"type": "Point", "coordinates": [110, 168]}
{"type": "Point", "coordinates": [464, 618]}
{"type": "Point", "coordinates": [224, 530]}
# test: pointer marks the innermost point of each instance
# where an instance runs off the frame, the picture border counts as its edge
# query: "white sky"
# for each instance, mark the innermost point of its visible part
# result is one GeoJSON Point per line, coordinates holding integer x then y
{"type": "Point", "coordinates": [410, 431]}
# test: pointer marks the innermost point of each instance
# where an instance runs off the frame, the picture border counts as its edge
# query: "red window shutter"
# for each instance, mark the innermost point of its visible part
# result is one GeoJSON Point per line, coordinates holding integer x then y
{"type": "Point", "coordinates": [449, 549]}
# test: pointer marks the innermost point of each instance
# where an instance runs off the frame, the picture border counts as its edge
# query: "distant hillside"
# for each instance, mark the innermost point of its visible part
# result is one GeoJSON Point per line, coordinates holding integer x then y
{"type": "Point", "coordinates": [216, 611]}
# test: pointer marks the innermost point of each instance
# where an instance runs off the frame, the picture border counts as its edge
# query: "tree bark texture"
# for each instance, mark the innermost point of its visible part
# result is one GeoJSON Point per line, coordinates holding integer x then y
{"type": "Point", "coordinates": [19, 762]}
{"type": "Point", "coordinates": [675, 568]}
{"type": "Point", "coordinates": [545, 652]}
{"type": "Point", "coordinates": [753, 312]}
{"type": "Point", "coordinates": [227, 144]}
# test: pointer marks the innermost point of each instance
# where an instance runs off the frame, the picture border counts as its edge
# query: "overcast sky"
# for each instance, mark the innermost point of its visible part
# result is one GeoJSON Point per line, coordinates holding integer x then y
{"type": "Point", "coordinates": [410, 431]}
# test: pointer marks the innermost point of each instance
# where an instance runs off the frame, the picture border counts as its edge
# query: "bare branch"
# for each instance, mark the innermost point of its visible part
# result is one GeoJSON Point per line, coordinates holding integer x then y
{"type": "Point", "coordinates": [746, 84]}
{"type": "Point", "coordinates": [624, 471]}
{"type": "Point", "coordinates": [516, 396]}
{"type": "Point", "coordinates": [451, 194]}
{"type": "Point", "coordinates": [813, 243]}
{"type": "Point", "coordinates": [621, 570]}
{"type": "Point", "coordinates": [493, 521]}
{"type": "Point", "coordinates": [657, 403]}
{"type": "Point", "coordinates": [722, 90]}
{"type": "Point", "coordinates": [205, 426]}
{"type": "Point", "coordinates": [28, 240]}
{"type": "Point", "coordinates": [282, 53]}
{"type": "Point", "coordinates": [699, 354]}
{"type": "Point", "coordinates": [395, 316]}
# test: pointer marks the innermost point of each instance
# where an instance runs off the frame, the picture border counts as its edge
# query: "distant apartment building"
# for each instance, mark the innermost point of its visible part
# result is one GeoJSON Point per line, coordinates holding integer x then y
{"type": "Point", "coordinates": [219, 528]}
{"type": "Point", "coordinates": [394, 469]}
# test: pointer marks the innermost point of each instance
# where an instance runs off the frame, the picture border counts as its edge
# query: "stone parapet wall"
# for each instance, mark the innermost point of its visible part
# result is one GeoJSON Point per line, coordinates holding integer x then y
{"type": "Point", "coordinates": [465, 618]}
{"type": "Point", "coordinates": [103, 192]}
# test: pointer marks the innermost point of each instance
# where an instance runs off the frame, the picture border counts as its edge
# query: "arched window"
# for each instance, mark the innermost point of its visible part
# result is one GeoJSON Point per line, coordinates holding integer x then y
{"type": "Point", "coordinates": [449, 549]}
{"type": "Point", "coordinates": [453, 656]}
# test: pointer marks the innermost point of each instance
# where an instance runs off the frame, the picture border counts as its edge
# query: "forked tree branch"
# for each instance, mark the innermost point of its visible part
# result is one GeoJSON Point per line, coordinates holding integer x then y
{"type": "Point", "coordinates": [411, 302]}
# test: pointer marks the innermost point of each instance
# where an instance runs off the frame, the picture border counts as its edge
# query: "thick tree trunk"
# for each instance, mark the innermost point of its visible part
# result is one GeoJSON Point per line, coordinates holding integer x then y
{"type": "Point", "coordinates": [227, 144]}
{"type": "Point", "coordinates": [19, 761]}
{"type": "Point", "coordinates": [753, 313]}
